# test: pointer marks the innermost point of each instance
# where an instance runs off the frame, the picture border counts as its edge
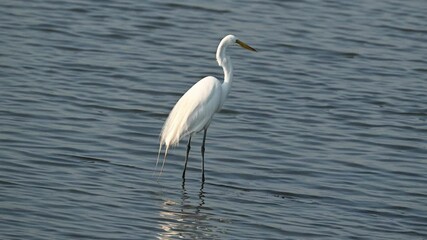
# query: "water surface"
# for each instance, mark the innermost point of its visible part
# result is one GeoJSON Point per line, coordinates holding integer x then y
{"type": "Point", "coordinates": [323, 135]}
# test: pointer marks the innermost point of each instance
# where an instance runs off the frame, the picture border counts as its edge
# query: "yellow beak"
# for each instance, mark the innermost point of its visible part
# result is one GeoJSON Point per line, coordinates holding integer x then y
{"type": "Point", "coordinates": [244, 45]}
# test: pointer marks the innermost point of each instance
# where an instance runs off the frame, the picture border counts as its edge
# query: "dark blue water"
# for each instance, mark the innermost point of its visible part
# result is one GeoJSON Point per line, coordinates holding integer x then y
{"type": "Point", "coordinates": [323, 135]}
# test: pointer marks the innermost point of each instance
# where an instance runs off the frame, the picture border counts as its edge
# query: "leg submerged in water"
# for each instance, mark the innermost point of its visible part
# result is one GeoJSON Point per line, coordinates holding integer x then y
{"type": "Point", "coordinates": [186, 157]}
{"type": "Point", "coordinates": [203, 155]}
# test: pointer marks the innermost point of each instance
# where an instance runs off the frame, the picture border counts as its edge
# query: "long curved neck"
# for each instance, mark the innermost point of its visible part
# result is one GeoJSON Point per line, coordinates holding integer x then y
{"type": "Point", "coordinates": [225, 62]}
{"type": "Point", "coordinates": [228, 70]}
{"type": "Point", "coordinates": [228, 74]}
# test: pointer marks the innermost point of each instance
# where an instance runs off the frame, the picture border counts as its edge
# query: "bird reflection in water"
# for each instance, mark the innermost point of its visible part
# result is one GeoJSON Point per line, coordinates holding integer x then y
{"type": "Point", "coordinates": [186, 218]}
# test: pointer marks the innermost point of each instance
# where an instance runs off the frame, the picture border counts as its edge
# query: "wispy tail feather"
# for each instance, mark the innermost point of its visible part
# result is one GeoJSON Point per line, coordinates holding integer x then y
{"type": "Point", "coordinates": [168, 137]}
{"type": "Point", "coordinates": [158, 156]}
{"type": "Point", "coordinates": [164, 159]}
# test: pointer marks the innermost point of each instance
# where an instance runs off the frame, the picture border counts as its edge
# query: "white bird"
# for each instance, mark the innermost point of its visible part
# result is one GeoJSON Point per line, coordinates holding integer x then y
{"type": "Point", "coordinates": [194, 110]}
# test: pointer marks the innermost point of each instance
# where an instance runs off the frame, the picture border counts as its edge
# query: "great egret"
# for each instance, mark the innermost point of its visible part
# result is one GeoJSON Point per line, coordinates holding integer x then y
{"type": "Point", "coordinates": [194, 110]}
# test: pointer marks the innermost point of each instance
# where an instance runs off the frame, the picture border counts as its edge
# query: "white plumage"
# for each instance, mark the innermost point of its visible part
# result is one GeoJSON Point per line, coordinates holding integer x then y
{"type": "Point", "coordinates": [194, 110]}
{"type": "Point", "coordinates": [199, 103]}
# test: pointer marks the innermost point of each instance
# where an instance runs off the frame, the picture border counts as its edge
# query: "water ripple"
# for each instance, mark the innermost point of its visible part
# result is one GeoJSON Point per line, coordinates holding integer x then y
{"type": "Point", "coordinates": [323, 134]}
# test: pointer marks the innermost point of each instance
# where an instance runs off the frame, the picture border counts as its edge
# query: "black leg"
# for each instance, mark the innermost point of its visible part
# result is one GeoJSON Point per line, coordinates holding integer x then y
{"type": "Point", "coordinates": [186, 157]}
{"type": "Point", "coordinates": [203, 155]}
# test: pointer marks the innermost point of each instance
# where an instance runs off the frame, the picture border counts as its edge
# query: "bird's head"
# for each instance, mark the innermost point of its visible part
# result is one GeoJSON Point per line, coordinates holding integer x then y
{"type": "Point", "coordinates": [228, 41]}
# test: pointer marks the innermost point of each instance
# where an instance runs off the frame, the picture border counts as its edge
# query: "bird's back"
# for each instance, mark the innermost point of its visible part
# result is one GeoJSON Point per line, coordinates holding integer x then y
{"type": "Point", "coordinates": [193, 111]}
